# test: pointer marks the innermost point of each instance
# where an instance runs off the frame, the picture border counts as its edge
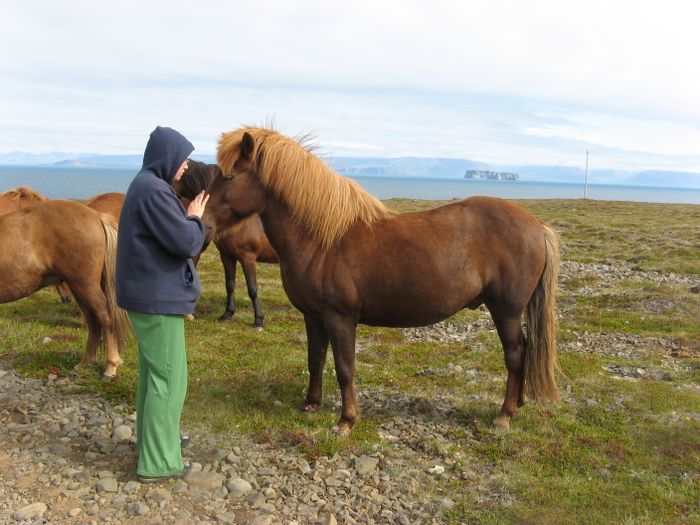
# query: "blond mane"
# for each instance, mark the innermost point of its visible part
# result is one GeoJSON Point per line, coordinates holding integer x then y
{"type": "Point", "coordinates": [23, 192]}
{"type": "Point", "coordinates": [326, 203]}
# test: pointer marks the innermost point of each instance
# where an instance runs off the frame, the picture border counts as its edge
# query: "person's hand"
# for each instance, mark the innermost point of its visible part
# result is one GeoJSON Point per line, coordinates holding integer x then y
{"type": "Point", "coordinates": [198, 204]}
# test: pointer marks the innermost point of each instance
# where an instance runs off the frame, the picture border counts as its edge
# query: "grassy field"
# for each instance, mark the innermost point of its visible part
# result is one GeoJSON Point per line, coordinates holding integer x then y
{"type": "Point", "coordinates": [622, 447]}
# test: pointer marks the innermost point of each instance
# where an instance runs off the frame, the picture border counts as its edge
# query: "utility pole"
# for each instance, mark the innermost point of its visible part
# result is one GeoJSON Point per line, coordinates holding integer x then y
{"type": "Point", "coordinates": [585, 187]}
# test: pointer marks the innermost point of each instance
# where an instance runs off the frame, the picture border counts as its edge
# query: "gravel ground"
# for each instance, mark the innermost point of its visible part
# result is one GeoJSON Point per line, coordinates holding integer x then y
{"type": "Point", "coordinates": [67, 455]}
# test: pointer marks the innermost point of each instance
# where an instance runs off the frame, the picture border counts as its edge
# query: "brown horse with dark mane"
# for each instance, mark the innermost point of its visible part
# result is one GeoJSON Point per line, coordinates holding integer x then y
{"type": "Point", "coordinates": [346, 259]}
{"type": "Point", "coordinates": [21, 197]}
{"type": "Point", "coordinates": [242, 240]}
{"type": "Point", "coordinates": [58, 241]}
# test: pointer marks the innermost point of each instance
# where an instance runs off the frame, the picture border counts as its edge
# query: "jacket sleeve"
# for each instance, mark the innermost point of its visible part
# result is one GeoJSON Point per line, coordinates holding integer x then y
{"type": "Point", "coordinates": [162, 214]}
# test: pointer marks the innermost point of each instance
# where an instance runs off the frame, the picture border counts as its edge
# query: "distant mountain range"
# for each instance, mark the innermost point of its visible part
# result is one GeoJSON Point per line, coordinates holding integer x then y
{"type": "Point", "coordinates": [393, 167]}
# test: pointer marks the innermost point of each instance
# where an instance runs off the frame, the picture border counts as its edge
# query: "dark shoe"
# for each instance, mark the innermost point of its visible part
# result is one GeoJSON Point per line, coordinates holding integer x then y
{"type": "Point", "coordinates": [157, 479]}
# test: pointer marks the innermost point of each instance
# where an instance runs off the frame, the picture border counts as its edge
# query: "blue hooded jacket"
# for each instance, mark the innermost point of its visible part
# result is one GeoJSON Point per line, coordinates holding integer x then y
{"type": "Point", "coordinates": [157, 241]}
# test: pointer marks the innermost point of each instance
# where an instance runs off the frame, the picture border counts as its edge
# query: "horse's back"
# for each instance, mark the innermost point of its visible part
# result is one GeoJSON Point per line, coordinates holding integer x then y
{"type": "Point", "coordinates": [18, 198]}
{"type": "Point", "coordinates": [109, 203]}
{"type": "Point", "coordinates": [443, 259]}
{"type": "Point", "coordinates": [55, 222]}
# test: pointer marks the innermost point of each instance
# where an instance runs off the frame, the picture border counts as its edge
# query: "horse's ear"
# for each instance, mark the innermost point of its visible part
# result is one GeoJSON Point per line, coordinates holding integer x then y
{"type": "Point", "coordinates": [247, 145]}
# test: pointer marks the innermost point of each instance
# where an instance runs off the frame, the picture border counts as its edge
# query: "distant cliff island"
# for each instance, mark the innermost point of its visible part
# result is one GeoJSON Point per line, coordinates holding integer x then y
{"type": "Point", "coordinates": [491, 175]}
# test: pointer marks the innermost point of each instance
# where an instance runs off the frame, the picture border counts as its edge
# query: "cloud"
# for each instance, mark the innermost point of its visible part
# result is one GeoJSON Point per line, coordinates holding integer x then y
{"type": "Point", "coordinates": [505, 80]}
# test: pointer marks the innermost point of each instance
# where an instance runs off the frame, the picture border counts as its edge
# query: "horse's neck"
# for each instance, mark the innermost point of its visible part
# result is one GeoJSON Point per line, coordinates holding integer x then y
{"type": "Point", "coordinates": [290, 239]}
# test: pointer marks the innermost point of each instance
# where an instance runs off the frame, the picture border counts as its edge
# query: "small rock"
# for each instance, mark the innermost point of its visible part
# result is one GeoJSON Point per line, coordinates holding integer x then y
{"type": "Point", "coordinates": [208, 481]}
{"type": "Point", "coordinates": [329, 520]}
{"type": "Point", "coordinates": [365, 464]}
{"type": "Point", "coordinates": [226, 518]}
{"type": "Point", "coordinates": [255, 499]}
{"type": "Point", "coordinates": [131, 486]}
{"type": "Point", "coordinates": [74, 512]}
{"type": "Point", "coordinates": [446, 503]}
{"type": "Point", "coordinates": [159, 495]}
{"type": "Point", "coordinates": [238, 487]}
{"type": "Point", "coordinates": [261, 520]}
{"type": "Point", "coordinates": [122, 434]}
{"type": "Point", "coordinates": [107, 485]}
{"type": "Point", "coordinates": [30, 512]}
{"type": "Point", "coordinates": [437, 469]}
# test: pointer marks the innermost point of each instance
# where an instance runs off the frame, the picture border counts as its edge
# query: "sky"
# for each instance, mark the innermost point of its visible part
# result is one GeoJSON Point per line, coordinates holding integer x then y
{"type": "Point", "coordinates": [504, 82]}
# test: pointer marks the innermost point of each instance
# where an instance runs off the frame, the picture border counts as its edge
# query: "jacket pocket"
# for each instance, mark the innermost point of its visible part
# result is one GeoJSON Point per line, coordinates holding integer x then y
{"type": "Point", "coordinates": [189, 274]}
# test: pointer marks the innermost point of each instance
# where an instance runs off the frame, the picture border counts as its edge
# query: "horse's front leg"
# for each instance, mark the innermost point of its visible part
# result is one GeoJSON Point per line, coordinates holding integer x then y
{"type": "Point", "coordinates": [317, 345]}
{"type": "Point", "coordinates": [230, 282]}
{"type": "Point", "coordinates": [342, 337]}
{"type": "Point", "coordinates": [251, 280]}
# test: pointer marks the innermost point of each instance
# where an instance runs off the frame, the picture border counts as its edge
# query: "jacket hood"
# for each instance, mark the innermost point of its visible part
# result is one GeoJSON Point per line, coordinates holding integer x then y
{"type": "Point", "coordinates": [165, 152]}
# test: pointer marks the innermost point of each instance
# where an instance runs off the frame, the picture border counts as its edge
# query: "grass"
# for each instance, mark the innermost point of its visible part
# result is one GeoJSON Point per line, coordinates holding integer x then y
{"type": "Point", "coordinates": [615, 451]}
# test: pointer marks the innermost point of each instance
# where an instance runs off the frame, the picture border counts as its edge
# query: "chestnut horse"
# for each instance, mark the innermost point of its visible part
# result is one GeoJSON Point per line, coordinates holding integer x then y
{"type": "Point", "coordinates": [18, 198]}
{"type": "Point", "coordinates": [58, 241]}
{"type": "Point", "coordinates": [242, 240]}
{"type": "Point", "coordinates": [109, 203]}
{"type": "Point", "coordinates": [346, 259]}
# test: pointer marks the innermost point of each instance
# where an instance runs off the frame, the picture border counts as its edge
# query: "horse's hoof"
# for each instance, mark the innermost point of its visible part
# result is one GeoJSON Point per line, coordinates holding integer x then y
{"type": "Point", "coordinates": [342, 430]}
{"type": "Point", "coordinates": [226, 316]}
{"type": "Point", "coordinates": [189, 317]}
{"type": "Point", "coordinates": [501, 424]}
{"type": "Point", "coordinates": [259, 328]}
{"type": "Point", "coordinates": [109, 378]}
{"type": "Point", "coordinates": [81, 367]}
{"type": "Point", "coordinates": [308, 407]}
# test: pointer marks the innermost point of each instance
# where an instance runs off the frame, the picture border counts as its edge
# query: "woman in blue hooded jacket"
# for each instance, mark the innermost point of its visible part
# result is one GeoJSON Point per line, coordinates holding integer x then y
{"type": "Point", "coordinates": [157, 283]}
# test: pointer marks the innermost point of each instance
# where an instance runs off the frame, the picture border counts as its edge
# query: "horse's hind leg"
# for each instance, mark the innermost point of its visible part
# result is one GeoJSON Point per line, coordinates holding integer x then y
{"type": "Point", "coordinates": [251, 280]}
{"type": "Point", "coordinates": [513, 340]}
{"type": "Point", "coordinates": [94, 333]}
{"type": "Point", "coordinates": [317, 344]}
{"type": "Point", "coordinates": [94, 305]}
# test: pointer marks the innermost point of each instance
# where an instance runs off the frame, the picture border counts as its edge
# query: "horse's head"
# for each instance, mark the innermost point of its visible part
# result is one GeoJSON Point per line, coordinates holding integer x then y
{"type": "Point", "coordinates": [236, 191]}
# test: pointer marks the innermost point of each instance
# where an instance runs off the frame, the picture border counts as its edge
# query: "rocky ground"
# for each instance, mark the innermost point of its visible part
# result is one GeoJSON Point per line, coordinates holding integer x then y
{"type": "Point", "coordinates": [66, 456]}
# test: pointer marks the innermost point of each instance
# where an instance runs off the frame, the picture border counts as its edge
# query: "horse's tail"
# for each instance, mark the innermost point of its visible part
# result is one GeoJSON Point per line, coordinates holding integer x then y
{"type": "Point", "coordinates": [120, 320]}
{"type": "Point", "coordinates": [541, 361]}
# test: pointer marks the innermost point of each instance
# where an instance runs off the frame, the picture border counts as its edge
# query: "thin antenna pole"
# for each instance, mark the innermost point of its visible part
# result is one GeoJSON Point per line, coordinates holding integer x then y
{"type": "Point", "coordinates": [585, 187]}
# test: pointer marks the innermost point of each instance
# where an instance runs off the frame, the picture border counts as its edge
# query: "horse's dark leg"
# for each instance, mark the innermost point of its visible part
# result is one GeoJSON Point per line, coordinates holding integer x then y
{"type": "Point", "coordinates": [342, 337]}
{"type": "Point", "coordinates": [64, 292]}
{"type": "Point", "coordinates": [248, 265]}
{"type": "Point", "coordinates": [317, 345]}
{"type": "Point", "coordinates": [513, 340]}
{"type": "Point", "coordinates": [230, 281]}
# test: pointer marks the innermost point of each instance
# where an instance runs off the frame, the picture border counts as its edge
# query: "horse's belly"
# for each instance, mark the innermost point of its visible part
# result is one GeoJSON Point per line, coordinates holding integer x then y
{"type": "Point", "coordinates": [404, 311]}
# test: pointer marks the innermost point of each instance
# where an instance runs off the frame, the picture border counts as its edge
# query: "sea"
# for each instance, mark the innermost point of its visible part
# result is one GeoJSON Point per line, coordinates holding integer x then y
{"type": "Point", "coordinates": [82, 183]}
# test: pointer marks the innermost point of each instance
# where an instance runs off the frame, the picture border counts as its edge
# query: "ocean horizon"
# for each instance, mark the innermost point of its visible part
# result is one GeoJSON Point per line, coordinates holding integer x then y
{"type": "Point", "coordinates": [82, 183]}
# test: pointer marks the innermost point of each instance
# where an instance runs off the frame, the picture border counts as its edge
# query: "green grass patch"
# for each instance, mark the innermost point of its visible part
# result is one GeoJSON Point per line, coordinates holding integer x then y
{"type": "Point", "coordinates": [615, 451]}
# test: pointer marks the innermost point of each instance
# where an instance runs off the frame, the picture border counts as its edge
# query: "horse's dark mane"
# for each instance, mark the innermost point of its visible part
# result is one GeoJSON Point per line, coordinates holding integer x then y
{"type": "Point", "coordinates": [196, 178]}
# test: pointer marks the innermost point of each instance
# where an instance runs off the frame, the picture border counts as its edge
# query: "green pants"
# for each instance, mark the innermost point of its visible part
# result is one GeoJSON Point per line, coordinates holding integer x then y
{"type": "Point", "coordinates": [160, 393]}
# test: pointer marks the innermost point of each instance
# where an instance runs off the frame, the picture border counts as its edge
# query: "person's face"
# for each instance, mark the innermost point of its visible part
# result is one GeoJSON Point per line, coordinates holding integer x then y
{"type": "Point", "coordinates": [181, 171]}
